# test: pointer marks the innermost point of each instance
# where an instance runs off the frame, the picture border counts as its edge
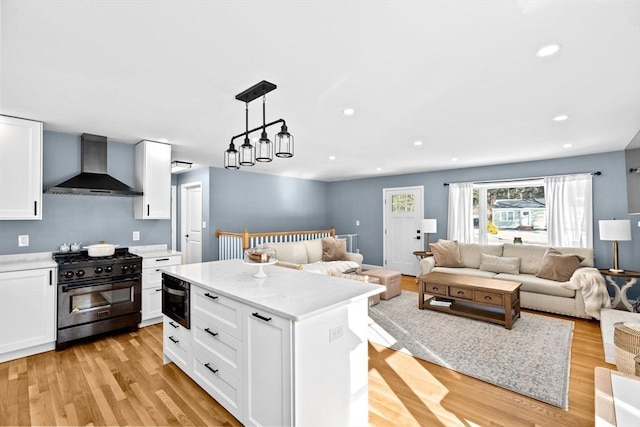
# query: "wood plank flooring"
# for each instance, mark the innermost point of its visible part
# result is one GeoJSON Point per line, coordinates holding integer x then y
{"type": "Point", "coordinates": [120, 380]}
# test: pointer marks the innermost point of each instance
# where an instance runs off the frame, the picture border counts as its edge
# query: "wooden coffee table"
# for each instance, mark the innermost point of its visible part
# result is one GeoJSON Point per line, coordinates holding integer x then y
{"type": "Point", "coordinates": [492, 300]}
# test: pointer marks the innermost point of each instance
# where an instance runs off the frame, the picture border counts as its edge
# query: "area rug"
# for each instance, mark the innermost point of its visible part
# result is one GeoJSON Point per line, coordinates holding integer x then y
{"type": "Point", "coordinates": [533, 358]}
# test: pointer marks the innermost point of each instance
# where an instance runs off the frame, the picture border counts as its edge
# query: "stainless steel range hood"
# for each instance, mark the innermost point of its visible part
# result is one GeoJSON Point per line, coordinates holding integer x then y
{"type": "Point", "coordinates": [93, 180]}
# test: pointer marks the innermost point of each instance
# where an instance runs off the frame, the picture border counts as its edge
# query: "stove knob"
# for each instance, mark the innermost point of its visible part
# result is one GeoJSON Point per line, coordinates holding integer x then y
{"type": "Point", "coordinates": [80, 273]}
{"type": "Point", "coordinates": [68, 274]}
{"type": "Point", "coordinates": [108, 269]}
{"type": "Point", "coordinates": [98, 270]}
{"type": "Point", "coordinates": [132, 267]}
{"type": "Point", "coordinates": [125, 268]}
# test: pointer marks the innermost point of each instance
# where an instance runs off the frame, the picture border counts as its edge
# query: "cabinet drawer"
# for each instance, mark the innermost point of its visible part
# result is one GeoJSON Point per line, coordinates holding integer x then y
{"type": "Point", "coordinates": [161, 261]}
{"type": "Point", "coordinates": [488, 298]}
{"type": "Point", "coordinates": [151, 278]}
{"type": "Point", "coordinates": [460, 293]}
{"type": "Point", "coordinates": [219, 383]}
{"type": "Point", "coordinates": [436, 289]}
{"type": "Point", "coordinates": [172, 328]}
{"type": "Point", "coordinates": [218, 310]}
{"type": "Point", "coordinates": [223, 349]}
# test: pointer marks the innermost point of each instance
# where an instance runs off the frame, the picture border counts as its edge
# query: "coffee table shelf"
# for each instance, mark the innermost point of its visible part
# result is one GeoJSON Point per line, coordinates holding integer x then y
{"type": "Point", "coordinates": [491, 300]}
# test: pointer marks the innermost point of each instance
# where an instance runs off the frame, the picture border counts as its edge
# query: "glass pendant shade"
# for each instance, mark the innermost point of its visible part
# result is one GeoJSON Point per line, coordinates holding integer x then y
{"type": "Point", "coordinates": [264, 149]}
{"type": "Point", "coordinates": [284, 143]}
{"type": "Point", "coordinates": [231, 158]}
{"type": "Point", "coordinates": [247, 153]}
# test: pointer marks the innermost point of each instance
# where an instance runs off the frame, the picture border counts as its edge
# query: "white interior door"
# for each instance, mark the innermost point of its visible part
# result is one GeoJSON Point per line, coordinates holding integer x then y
{"type": "Point", "coordinates": [403, 213]}
{"type": "Point", "coordinates": [192, 222]}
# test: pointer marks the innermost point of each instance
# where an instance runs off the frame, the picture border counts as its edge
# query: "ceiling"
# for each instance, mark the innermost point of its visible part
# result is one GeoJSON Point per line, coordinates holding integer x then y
{"type": "Point", "coordinates": [460, 76]}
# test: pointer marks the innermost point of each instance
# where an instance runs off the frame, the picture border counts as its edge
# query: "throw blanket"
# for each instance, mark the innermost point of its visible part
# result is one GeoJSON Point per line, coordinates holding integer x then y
{"type": "Point", "coordinates": [593, 287]}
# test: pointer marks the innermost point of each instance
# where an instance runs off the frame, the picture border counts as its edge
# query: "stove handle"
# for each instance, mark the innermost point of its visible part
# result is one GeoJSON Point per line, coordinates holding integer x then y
{"type": "Point", "coordinates": [71, 286]}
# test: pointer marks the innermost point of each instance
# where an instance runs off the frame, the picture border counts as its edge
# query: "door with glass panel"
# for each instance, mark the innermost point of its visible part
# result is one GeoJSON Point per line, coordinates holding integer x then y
{"type": "Point", "coordinates": [403, 213]}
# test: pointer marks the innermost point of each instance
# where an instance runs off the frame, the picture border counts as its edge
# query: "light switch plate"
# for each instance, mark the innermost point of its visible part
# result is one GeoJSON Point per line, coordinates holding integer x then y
{"type": "Point", "coordinates": [136, 236]}
{"type": "Point", "coordinates": [23, 240]}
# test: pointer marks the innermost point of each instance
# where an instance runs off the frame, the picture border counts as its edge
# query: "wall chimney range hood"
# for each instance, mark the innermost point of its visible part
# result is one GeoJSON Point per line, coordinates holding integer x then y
{"type": "Point", "coordinates": [93, 179]}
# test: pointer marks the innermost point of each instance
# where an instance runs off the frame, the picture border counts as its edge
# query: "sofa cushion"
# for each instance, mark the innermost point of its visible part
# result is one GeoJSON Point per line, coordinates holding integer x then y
{"type": "Point", "coordinates": [530, 256]}
{"type": "Point", "coordinates": [446, 253]}
{"type": "Point", "coordinates": [537, 285]}
{"type": "Point", "coordinates": [294, 252]}
{"type": "Point", "coordinates": [314, 250]}
{"type": "Point", "coordinates": [334, 249]}
{"type": "Point", "coordinates": [322, 267]}
{"type": "Point", "coordinates": [470, 253]}
{"type": "Point", "coordinates": [466, 271]}
{"type": "Point", "coordinates": [557, 266]}
{"type": "Point", "coordinates": [499, 264]}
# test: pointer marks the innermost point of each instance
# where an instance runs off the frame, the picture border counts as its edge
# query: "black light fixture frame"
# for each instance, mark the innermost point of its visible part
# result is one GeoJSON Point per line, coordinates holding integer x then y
{"type": "Point", "coordinates": [254, 92]}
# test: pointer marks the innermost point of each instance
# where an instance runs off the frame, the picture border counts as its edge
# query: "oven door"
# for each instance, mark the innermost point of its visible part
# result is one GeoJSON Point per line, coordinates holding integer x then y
{"type": "Point", "coordinates": [175, 299]}
{"type": "Point", "coordinates": [80, 303]}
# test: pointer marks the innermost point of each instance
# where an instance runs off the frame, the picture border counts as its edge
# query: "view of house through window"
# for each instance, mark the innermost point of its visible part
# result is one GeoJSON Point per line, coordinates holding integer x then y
{"type": "Point", "coordinates": [504, 211]}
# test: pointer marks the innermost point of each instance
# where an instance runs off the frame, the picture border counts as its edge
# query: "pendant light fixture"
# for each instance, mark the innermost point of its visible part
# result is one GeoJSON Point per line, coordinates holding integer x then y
{"type": "Point", "coordinates": [264, 149]}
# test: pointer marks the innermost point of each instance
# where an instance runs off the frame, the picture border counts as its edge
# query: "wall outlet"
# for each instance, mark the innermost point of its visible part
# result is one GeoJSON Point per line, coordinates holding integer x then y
{"type": "Point", "coordinates": [204, 224]}
{"type": "Point", "coordinates": [23, 240]}
{"type": "Point", "coordinates": [335, 333]}
{"type": "Point", "coordinates": [357, 223]}
{"type": "Point", "coordinates": [136, 236]}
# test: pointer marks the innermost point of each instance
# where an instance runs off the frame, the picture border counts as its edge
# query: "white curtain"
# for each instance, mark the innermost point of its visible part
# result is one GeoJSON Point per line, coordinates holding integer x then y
{"type": "Point", "coordinates": [569, 205]}
{"type": "Point", "coordinates": [460, 217]}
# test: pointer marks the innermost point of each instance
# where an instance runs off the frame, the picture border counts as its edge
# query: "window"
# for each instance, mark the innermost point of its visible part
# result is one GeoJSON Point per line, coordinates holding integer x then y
{"type": "Point", "coordinates": [402, 203]}
{"type": "Point", "coordinates": [509, 209]}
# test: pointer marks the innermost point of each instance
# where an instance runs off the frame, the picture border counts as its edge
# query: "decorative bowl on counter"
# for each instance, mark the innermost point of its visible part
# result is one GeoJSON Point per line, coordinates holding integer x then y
{"type": "Point", "coordinates": [260, 255]}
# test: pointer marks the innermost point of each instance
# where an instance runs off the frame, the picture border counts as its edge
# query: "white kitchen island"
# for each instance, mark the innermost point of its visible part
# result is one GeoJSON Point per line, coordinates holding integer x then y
{"type": "Point", "coordinates": [288, 349]}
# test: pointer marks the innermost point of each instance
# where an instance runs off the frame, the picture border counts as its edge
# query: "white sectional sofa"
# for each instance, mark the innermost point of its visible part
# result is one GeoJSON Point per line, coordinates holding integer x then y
{"type": "Point", "coordinates": [308, 255]}
{"type": "Point", "coordinates": [536, 293]}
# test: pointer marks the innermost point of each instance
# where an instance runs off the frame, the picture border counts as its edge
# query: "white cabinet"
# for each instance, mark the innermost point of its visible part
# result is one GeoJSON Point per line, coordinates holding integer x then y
{"type": "Point", "coordinates": [20, 169]}
{"type": "Point", "coordinates": [153, 176]}
{"type": "Point", "coordinates": [177, 345]}
{"type": "Point", "coordinates": [152, 286]}
{"type": "Point", "coordinates": [268, 349]}
{"type": "Point", "coordinates": [27, 312]}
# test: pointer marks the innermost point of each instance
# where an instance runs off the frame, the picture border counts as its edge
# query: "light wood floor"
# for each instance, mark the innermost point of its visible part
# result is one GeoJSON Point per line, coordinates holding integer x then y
{"type": "Point", "coordinates": [120, 380]}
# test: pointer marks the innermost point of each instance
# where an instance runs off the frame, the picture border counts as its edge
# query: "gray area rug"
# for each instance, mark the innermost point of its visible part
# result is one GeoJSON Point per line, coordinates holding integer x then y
{"type": "Point", "coordinates": [532, 359]}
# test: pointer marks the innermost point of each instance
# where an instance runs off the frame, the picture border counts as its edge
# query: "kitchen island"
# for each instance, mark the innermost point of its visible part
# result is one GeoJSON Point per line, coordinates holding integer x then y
{"type": "Point", "coordinates": [288, 349]}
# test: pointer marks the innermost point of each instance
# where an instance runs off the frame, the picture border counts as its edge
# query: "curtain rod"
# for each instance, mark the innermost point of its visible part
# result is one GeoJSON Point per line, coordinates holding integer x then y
{"type": "Point", "coordinates": [525, 179]}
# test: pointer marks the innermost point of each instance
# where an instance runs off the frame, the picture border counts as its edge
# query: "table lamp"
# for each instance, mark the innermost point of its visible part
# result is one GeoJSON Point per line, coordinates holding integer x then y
{"type": "Point", "coordinates": [615, 230]}
{"type": "Point", "coordinates": [429, 226]}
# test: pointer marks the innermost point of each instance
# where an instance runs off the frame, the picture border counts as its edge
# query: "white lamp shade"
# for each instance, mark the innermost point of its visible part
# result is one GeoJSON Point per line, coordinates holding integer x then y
{"type": "Point", "coordinates": [615, 229]}
{"type": "Point", "coordinates": [429, 226]}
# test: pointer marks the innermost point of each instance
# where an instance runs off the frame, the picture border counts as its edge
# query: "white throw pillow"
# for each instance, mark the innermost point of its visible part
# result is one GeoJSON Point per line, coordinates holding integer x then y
{"type": "Point", "coordinates": [498, 264]}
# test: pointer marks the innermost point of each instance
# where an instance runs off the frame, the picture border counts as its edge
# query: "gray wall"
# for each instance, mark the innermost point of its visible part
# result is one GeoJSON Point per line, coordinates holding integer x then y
{"type": "Point", "coordinates": [362, 200]}
{"type": "Point", "coordinates": [87, 219]}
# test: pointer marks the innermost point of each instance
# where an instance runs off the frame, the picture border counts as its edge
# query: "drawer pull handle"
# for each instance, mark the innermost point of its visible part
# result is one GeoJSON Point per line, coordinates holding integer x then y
{"type": "Point", "coordinates": [174, 325]}
{"type": "Point", "coordinates": [460, 292]}
{"type": "Point", "coordinates": [207, 330]}
{"type": "Point", "coordinates": [162, 259]}
{"type": "Point", "coordinates": [266, 319]}
{"type": "Point", "coordinates": [487, 297]}
{"type": "Point", "coordinates": [210, 296]}
{"type": "Point", "coordinates": [435, 288]}
{"type": "Point", "coordinates": [206, 365]}
{"type": "Point", "coordinates": [174, 340]}
{"type": "Point", "coordinates": [159, 290]}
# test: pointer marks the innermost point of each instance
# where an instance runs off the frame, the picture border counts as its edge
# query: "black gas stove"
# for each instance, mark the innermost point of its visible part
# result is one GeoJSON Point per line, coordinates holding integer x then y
{"type": "Point", "coordinates": [97, 295]}
{"type": "Point", "coordinates": [75, 266]}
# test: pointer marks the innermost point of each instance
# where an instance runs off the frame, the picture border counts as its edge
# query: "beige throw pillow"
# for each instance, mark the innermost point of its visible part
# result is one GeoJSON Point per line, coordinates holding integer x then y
{"type": "Point", "coordinates": [334, 249]}
{"type": "Point", "coordinates": [498, 264]}
{"type": "Point", "coordinates": [446, 253]}
{"type": "Point", "coordinates": [556, 266]}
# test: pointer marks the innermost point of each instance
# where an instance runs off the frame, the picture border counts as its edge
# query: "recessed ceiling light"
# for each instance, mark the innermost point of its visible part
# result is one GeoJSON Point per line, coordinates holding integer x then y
{"type": "Point", "coordinates": [332, 157]}
{"type": "Point", "coordinates": [548, 50]}
{"type": "Point", "coordinates": [378, 169]}
{"type": "Point", "coordinates": [348, 111]}
{"type": "Point", "coordinates": [567, 145]}
{"type": "Point", "coordinates": [560, 118]}
{"type": "Point", "coordinates": [417, 143]}
{"type": "Point", "coordinates": [454, 159]}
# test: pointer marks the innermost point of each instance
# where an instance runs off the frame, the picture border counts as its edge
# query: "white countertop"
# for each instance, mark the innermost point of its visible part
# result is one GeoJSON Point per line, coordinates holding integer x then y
{"type": "Point", "coordinates": [29, 261]}
{"type": "Point", "coordinates": [153, 251]}
{"type": "Point", "coordinates": [293, 294]}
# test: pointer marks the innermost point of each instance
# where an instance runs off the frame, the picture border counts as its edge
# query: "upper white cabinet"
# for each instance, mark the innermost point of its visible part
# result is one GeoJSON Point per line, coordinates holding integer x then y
{"type": "Point", "coordinates": [20, 168]}
{"type": "Point", "coordinates": [153, 176]}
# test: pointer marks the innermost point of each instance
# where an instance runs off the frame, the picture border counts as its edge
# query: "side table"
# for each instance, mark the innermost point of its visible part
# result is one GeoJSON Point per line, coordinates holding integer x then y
{"type": "Point", "coordinates": [422, 254]}
{"type": "Point", "coordinates": [620, 293]}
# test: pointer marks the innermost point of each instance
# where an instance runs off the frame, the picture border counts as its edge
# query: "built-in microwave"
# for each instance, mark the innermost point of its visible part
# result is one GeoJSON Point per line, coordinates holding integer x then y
{"type": "Point", "coordinates": [175, 299]}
